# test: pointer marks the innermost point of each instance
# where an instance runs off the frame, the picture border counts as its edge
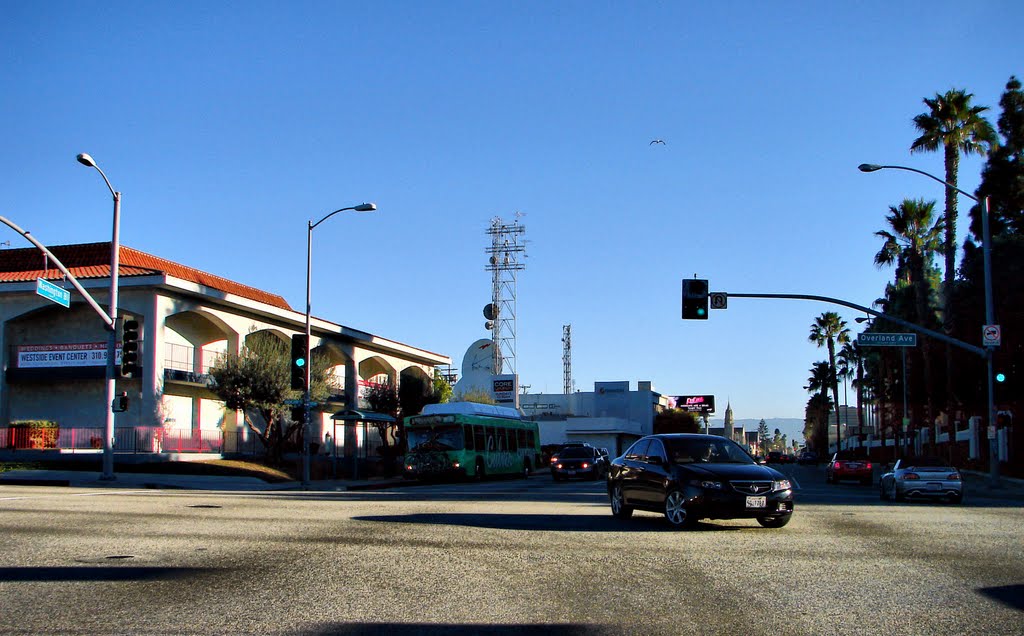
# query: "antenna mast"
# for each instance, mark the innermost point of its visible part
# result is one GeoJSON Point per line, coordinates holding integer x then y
{"type": "Point", "coordinates": [567, 359]}
{"type": "Point", "coordinates": [507, 249]}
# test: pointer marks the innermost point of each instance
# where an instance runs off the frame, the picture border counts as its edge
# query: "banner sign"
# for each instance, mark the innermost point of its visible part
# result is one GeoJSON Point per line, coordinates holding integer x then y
{"type": "Point", "coordinates": [82, 354]}
{"type": "Point", "coordinates": [696, 403]}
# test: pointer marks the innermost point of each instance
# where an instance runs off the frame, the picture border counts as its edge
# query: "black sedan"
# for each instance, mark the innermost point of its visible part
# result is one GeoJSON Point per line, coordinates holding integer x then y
{"type": "Point", "coordinates": [692, 477]}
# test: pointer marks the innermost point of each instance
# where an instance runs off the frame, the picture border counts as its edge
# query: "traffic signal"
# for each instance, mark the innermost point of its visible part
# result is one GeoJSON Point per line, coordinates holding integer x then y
{"type": "Point", "coordinates": [130, 367]}
{"type": "Point", "coordinates": [299, 346]}
{"type": "Point", "coordinates": [120, 403]}
{"type": "Point", "coordinates": [695, 299]}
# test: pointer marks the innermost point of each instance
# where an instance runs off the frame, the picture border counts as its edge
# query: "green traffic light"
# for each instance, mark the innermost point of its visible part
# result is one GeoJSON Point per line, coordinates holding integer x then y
{"type": "Point", "coordinates": [1000, 377]}
{"type": "Point", "coordinates": [300, 362]}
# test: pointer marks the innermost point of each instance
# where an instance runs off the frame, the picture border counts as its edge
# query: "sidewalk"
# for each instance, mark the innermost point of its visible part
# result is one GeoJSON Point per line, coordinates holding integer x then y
{"type": "Point", "coordinates": [89, 479]}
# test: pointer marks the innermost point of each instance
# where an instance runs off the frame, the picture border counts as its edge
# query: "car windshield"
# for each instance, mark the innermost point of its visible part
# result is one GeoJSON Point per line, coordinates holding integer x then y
{"type": "Point", "coordinates": [576, 453]}
{"type": "Point", "coordinates": [438, 438]}
{"type": "Point", "coordinates": [705, 451]}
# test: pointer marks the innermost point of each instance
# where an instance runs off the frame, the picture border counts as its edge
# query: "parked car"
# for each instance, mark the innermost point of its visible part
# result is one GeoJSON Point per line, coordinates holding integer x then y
{"type": "Point", "coordinates": [689, 477]}
{"type": "Point", "coordinates": [924, 478]}
{"type": "Point", "coordinates": [775, 457]}
{"type": "Point", "coordinates": [846, 466]}
{"type": "Point", "coordinates": [807, 457]}
{"type": "Point", "coordinates": [578, 461]}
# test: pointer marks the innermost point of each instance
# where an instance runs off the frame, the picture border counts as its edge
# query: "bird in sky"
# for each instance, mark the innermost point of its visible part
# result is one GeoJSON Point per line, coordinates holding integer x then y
{"type": "Point", "coordinates": [656, 141]}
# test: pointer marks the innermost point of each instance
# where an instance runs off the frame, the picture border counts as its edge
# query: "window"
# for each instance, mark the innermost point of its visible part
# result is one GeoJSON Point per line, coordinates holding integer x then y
{"type": "Point", "coordinates": [638, 451]}
{"type": "Point", "coordinates": [491, 439]}
{"type": "Point", "coordinates": [529, 439]}
{"type": "Point", "coordinates": [656, 450]}
{"type": "Point", "coordinates": [513, 440]}
{"type": "Point", "coordinates": [467, 431]}
{"type": "Point", "coordinates": [479, 438]}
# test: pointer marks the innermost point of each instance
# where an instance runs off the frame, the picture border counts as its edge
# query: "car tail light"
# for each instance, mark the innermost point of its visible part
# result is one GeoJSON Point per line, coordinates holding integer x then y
{"type": "Point", "coordinates": [869, 466]}
{"type": "Point", "coordinates": [838, 465]}
{"type": "Point", "coordinates": [559, 466]}
{"type": "Point", "coordinates": [911, 476]}
{"type": "Point", "coordinates": [953, 477]}
{"type": "Point", "coordinates": [554, 459]}
{"type": "Point", "coordinates": [586, 465]}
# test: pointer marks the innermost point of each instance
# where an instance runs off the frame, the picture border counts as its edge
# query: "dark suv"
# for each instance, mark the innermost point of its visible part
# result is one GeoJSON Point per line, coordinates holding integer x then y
{"type": "Point", "coordinates": [585, 462]}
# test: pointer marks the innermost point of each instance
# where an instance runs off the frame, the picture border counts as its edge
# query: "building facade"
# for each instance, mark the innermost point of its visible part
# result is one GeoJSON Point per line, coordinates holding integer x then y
{"type": "Point", "coordinates": [54, 357]}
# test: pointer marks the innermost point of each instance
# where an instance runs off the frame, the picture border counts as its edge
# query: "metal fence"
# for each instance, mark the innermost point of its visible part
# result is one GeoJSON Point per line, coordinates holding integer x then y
{"type": "Point", "coordinates": [141, 439]}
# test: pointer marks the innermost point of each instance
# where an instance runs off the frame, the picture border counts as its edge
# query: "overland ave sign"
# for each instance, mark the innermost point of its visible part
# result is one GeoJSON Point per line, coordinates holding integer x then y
{"type": "Point", "coordinates": [887, 339]}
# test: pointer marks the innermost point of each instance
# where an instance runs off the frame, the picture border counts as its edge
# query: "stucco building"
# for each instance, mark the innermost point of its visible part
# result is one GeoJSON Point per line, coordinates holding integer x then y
{"type": "Point", "coordinates": [54, 357]}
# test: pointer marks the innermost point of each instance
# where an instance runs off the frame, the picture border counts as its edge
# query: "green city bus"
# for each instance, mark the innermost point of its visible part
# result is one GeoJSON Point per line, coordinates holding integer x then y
{"type": "Point", "coordinates": [469, 440]}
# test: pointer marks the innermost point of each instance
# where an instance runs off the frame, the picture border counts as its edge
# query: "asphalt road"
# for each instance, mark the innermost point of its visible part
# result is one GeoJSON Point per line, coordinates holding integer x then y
{"type": "Point", "coordinates": [501, 557]}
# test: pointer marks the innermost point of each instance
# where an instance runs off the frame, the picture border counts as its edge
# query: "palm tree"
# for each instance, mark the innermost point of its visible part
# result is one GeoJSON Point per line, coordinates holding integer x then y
{"type": "Point", "coordinates": [828, 330]}
{"type": "Point", "coordinates": [912, 243]}
{"type": "Point", "coordinates": [818, 406]}
{"type": "Point", "coordinates": [956, 126]}
{"type": "Point", "coordinates": [852, 368]}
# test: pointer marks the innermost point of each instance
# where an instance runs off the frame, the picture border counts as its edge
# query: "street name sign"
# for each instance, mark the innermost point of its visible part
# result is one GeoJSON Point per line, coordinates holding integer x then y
{"type": "Point", "coordinates": [887, 339]}
{"type": "Point", "coordinates": [49, 291]}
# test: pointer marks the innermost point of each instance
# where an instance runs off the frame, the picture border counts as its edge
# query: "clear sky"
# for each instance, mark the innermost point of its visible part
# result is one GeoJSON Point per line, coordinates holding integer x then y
{"type": "Point", "coordinates": [229, 125]}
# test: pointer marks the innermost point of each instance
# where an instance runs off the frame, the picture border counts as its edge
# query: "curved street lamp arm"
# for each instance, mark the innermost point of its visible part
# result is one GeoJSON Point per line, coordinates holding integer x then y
{"type": "Point", "coordinates": [867, 167]}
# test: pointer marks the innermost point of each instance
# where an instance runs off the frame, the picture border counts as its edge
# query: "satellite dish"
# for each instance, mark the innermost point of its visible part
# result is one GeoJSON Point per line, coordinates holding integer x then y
{"type": "Point", "coordinates": [488, 325]}
{"type": "Point", "coordinates": [490, 311]}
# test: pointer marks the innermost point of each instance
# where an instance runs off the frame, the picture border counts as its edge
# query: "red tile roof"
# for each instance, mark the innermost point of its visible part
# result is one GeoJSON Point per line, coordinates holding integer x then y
{"type": "Point", "coordinates": [92, 260]}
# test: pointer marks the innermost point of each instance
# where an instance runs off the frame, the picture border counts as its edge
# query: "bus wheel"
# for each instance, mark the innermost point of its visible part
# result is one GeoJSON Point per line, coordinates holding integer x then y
{"type": "Point", "coordinates": [526, 469]}
{"type": "Point", "coordinates": [480, 470]}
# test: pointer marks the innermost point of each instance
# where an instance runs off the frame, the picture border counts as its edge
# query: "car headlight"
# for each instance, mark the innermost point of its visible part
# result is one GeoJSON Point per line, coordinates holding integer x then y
{"type": "Point", "coordinates": [781, 484]}
{"type": "Point", "coordinates": [711, 485]}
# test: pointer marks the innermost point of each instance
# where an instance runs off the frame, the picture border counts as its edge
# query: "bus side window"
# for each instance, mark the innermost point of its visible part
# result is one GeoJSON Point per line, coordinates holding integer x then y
{"type": "Point", "coordinates": [502, 440]}
{"type": "Point", "coordinates": [479, 437]}
{"type": "Point", "coordinates": [513, 440]}
{"type": "Point", "coordinates": [521, 436]}
{"type": "Point", "coordinates": [467, 435]}
{"type": "Point", "coordinates": [491, 441]}
{"type": "Point", "coordinates": [529, 439]}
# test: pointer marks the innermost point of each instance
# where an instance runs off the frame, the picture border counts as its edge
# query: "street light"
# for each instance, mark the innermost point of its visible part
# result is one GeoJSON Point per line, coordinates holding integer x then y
{"type": "Point", "coordinates": [363, 207]}
{"type": "Point", "coordinates": [115, 251]}
{"type": "Point", "coordinates": [986, 251]}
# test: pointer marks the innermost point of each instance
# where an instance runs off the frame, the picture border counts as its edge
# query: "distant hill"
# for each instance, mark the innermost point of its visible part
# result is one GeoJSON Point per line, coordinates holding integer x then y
{"type": "Point", "coordinates": [791, 427]}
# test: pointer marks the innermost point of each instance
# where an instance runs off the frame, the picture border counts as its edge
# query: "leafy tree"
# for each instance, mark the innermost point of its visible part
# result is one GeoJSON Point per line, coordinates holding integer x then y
{"type": "Point", "coordinates": [479, 396]}
{"type": "Point", "coordinates": [956, 126]}
{"type": "Point", "coordinates": [258, 381]}
{"type": "Point", "coordinates": [1002, 182]}
{"type": "Point", "coordinates": [762, 435]}
{"type": "Point", "coordinates": [442, 390]}
{"type": "Point", "coordinates": [383, 398]}
{"type": "Point", "coordinates": [676, 421]}
{"type": "Point", "coordinates": [828, 330]}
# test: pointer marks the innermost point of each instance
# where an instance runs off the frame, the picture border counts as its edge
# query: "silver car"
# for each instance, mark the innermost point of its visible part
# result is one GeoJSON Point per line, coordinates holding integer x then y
{"type": "Point", "coordinates": [922, 478]}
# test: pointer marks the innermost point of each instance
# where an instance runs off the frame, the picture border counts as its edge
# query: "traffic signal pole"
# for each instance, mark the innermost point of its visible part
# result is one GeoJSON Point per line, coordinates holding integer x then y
{"type": "Point", "coordinates": [984, 352]}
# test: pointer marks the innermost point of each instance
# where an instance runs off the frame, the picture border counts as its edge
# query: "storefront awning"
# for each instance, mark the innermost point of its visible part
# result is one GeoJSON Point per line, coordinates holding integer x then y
{"type": "Point", "coordinates": [362, 416]}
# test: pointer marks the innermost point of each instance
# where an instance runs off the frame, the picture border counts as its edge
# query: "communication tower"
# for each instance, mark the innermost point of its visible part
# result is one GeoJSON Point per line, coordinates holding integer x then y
{"type": "Point", "coordinates": [505, 256]}
{"type": "Point", "coordinates": [567, 359]}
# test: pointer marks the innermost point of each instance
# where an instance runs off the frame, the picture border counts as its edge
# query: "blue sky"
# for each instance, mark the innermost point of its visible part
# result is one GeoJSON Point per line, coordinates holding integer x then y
{"type": "Point", "coordinates": [229, 125]}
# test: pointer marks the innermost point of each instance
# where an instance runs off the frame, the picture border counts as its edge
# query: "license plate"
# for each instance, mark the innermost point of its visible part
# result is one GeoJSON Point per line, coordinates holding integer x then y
{"type": "Point", "coordinates": [934, 486]}
{"type": "Point", "coordinates": [571, 472]}
{"type": "Point", "coordinates": [757, 502]}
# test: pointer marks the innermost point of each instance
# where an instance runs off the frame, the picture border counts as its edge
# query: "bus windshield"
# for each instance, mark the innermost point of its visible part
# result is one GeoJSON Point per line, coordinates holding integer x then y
{"type": "Point", "coordinates": [438, 438]}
